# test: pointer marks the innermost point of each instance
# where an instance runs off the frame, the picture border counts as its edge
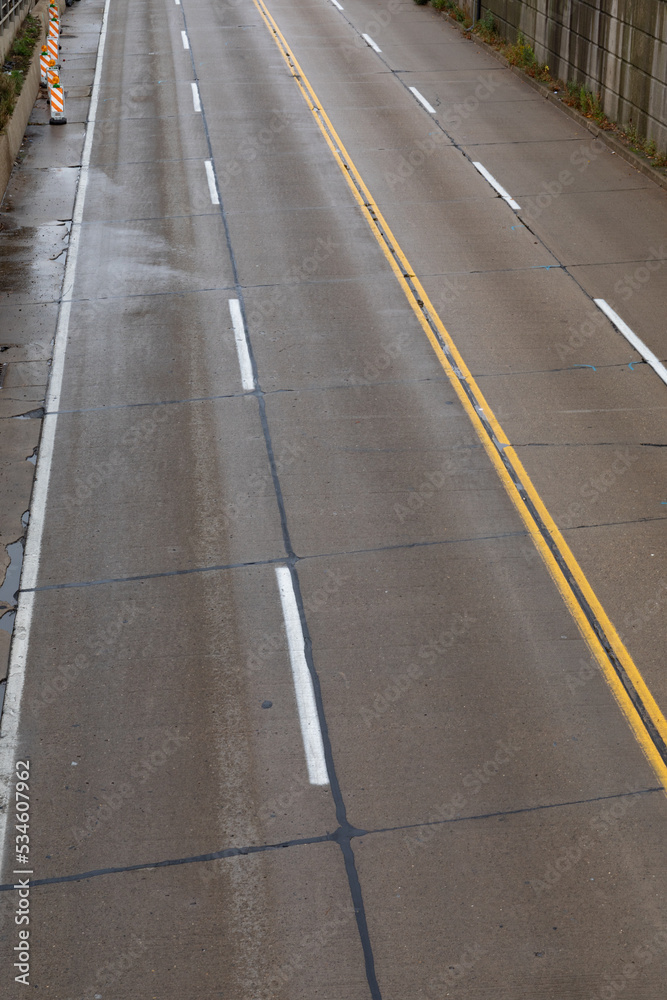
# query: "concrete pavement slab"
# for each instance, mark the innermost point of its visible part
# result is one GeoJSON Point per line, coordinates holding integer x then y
{"type": "Point", "coordinates": [133, 462]}
{"type": "Point", "coordinates": [291, 180]}
{"type": "Point", "coordinates": [55, 147]}
{"type": "Point", "coordinates": [540, 321]}
{"type": "Point", "coordinates": [77, 61]}
{"type": "Point", "coordinates": [179, 917]}
{"type": "Point", "coordinates": [32, 262]}
{"type": "Point", "coordinates": [358, 492]}
{"type": "Point", "coordinates": [548, 169]}
{"type": "Point", "coordinates": [431, 170]}
{"type": "Point", "coordinates": [436, 56]}
{"type": "Point", "coordinates": [26, 323]}
{"type": "Point", "coordinates": [512, 121]}
{"type": "Point", "coordinates": [150, 256]}
{"type": "Point", "coordinates": [193, 700]}
{"type": "Point", "coordinates": [122, 352]}
{"type": "Point", "coordinates": [490, 85]}
{"type": "Point", "coordinates": [637, 292]}
{"type": "Point", "coordinates": [240, 137]}
{"type": "Point", "coordinates": [474, 235]}
{"type": "Point", "coordinates": [605, 239]}
{"type": "Point", "coordinates": [477, 699]}
{"type": "Point", "coordinates": [503, 921]}
{"type": "Point", "coordinates": [170, 98]}
{"type": "Point", "coordinates": [43, 198]}
{"type": "Point", "coordinates": [327, 246]}
{"type": "Point", "coordinates": [137, 140]}
{"type": "Point", "coordinates": [603, 486]}
{"type": "Point", "coordinates": [375, 333]}
{"type": "Point", "coordinates": [577, 406]}
{"type": "Point", "coordinates": [235, 51]}
{"type": "Point", "coordinates": [146, 190]}
{"type": "Point", "coordinates": [364, 92]}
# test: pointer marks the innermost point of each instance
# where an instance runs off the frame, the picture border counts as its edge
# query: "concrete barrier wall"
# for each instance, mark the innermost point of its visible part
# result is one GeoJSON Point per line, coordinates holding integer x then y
{"type": "Point", "coordinates": [617, 48]}
{"type": "Point", "coordinates": [12, 137]}
{"type": "Point", "coordinates": [11, 29]}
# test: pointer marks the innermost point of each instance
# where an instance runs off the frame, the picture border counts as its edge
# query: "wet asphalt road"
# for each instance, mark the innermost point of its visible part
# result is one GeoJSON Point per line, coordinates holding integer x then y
{"type": "Point", "coordinates": [488, 825]}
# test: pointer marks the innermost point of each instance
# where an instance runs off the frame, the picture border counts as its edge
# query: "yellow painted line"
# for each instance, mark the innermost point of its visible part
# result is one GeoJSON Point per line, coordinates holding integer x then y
{"type": "Point", "coordinates": [633, 697]}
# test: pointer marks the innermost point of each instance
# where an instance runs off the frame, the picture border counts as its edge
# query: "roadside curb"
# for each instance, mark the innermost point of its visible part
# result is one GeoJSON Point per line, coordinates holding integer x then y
{"type": "Point", "coordinates": [12, 137]}
{"type": "Point", "coordinates": [634, 159]}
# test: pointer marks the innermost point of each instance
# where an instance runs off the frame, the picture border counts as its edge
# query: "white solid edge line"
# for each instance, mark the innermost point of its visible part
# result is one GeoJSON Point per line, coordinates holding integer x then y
{"type": "Point", "coordinates": [336, 4]}
{"type": "Point", "coordinates": [247, 377]}
{"type": "Point", "coordinates": [186, 43]}
{"type": "Point", "coordinates": [632, 338]}
{"type": "Point", "coordinates": [210, 177]}
{"type": "Point", "coordinates": [9, 724]}
{"type": "Point", "coordinates": [369, 41]}
{"type": "Point", "coordinates": [195, 97]}
{"type": "Point", "coordinates": [303, 682]}
{"type": "Point", "coordinates": [422, 100]}
{"type": "Point", "coordinates": [496, 186]}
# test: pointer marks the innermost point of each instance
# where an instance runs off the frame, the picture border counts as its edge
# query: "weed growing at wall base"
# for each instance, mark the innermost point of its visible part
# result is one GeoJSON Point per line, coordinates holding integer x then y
{"type": "Point", "coordinates": [16, 67]}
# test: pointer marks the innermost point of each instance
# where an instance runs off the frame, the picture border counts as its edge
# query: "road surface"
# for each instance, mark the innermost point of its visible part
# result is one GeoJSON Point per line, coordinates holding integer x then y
{"type": "Point", "coordinates": [339, 655]}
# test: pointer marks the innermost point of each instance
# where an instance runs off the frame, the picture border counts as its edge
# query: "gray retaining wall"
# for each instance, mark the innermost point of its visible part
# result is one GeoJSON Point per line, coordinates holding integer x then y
{"type": "Point", "coordinates": [617, 48]}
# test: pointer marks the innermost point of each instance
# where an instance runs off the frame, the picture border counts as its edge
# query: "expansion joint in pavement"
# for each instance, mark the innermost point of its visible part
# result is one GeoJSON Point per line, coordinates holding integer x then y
{"type": "Point", "coordinates": [342, 836]}
{"type": "Point", "coordinates": [291, 560]}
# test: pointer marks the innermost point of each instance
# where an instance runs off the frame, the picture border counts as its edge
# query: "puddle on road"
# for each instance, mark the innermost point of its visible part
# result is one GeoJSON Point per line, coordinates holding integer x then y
{"type": "Point", "coordinates": [30, 414]}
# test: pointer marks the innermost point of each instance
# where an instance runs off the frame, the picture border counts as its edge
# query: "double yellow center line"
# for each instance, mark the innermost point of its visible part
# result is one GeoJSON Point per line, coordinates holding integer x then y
{"type": "Point", "coordinates": [627, 684]}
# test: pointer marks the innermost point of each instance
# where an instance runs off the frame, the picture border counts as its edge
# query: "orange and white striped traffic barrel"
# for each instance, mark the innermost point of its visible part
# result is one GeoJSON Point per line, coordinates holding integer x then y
{"type": "Point", "coordinates": [52, 46]}
{"type": "Point", "coordinates": [52, 73]}
{"type": "Point", "coordinates": [57, 102]}
{"type": "Point", "coordinates": [44, 61]}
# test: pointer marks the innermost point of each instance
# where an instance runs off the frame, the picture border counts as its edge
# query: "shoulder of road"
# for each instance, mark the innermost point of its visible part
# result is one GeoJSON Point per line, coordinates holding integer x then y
{"type": "Point", "coordinates": [637, 160]}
